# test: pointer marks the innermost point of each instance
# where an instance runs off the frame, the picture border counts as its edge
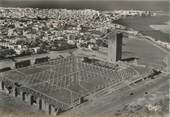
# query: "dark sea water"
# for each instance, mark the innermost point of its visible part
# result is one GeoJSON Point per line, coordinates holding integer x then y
{"type": "Point", "coordinates": [102, 5]}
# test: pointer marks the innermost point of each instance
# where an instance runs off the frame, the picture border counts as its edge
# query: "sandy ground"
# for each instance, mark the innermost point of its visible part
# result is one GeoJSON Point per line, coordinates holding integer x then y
{"type": "Point", "coordinates": [162, 28]}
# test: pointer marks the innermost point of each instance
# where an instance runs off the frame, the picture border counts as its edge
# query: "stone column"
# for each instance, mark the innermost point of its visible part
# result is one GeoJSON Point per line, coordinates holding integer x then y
{"type": "Point", "coordinates": [31, 99]}
{"type": "Point", "coordinates": [28, 98]}
{"type": "Point", "coordinates": [39, 103]}
{"type": "Point", "coordinates": [13, 93]}
{"type": "Point", "coordinates": [17, 92]}
{"type": "Point", "coordinates": [23, 95]}
{"type": "Point", "coordinates": [20, 94]}
{"type": "Point", "coordinates": [81, 100]}
{"type": "Point", "coordinates": [45, 106]}
{"type": "Point", "coordinates": [47, 109]}
{"type": "Point", "coordinates": [1, 85]}
{"type": "Point", "coordinates": [58, 110]}
{"type": "Point", "coordinates": [32, 61]}
{"type": "Point", "coordinates": [6, 90]}
{"type": "Point", "coordinates": [53, 111]}
{"type": "Point", "coordinates": [12, 65]}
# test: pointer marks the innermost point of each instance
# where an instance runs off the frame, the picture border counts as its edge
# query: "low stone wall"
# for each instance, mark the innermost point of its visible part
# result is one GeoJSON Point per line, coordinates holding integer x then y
{"type": "Point", "coordinates": [31, 99]}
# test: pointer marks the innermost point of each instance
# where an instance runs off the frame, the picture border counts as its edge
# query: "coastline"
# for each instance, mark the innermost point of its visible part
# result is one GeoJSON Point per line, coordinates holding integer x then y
{"type": "Point", "coordinates": [161, 44]}
{"type": "Point", "coordinates": [164, 46]}
{"type": "Point", "coordinates": [142, 24]}
{"type": "Point", "coordinates": [163, 27]}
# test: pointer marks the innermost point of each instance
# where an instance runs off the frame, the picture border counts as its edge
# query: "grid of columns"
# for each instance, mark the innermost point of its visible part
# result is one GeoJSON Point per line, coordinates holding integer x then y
{"type": "Point", "coordinates": [37, 102]}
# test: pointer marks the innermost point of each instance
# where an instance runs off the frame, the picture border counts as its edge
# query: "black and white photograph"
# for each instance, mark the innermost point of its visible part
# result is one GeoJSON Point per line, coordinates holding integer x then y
{"type": "Point", "coordinates": [84, 58]}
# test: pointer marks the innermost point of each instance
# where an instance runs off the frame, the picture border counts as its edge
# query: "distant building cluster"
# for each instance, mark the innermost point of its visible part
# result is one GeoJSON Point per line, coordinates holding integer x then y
{"type": "Point", "coordinates": [31, 31]}
{"type": "Point", "coordinates": [27, 31]}
{"type": "Point", "coordinates": [135, 13]}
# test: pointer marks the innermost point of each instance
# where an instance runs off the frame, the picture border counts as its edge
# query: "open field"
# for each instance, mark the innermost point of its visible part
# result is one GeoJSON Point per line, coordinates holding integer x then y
{"type": "Point", "coordinates": [143, 50]}
{"type": "Point", "coordinates": [146, 53]}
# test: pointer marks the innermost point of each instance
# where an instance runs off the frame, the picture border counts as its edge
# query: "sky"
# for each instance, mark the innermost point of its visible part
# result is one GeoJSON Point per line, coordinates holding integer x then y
{"type": "Point", "coordinates": [92, 4]}
{"type": "Point", "coordinates": [84, 0]}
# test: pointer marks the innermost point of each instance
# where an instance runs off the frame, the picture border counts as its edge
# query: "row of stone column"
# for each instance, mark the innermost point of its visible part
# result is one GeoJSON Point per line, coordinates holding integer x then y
{"type": "Point", "coordinates": [38, 102]}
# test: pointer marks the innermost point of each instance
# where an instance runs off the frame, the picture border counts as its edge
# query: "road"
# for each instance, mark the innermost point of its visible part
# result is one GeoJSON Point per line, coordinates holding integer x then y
{"type": "Point", "coordinates": [117, 100]}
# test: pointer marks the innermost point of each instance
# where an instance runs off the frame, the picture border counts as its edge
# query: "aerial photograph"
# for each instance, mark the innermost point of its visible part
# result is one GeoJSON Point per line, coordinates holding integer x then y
{"type": "Point", "coordinates": [84, 58]}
